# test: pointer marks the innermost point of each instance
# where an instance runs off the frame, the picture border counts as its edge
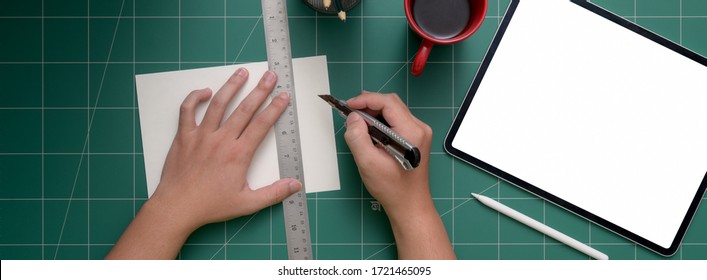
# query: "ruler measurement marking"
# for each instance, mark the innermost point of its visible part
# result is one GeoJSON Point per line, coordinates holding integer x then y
{"type": "Point", "coordinates": [277, 43]}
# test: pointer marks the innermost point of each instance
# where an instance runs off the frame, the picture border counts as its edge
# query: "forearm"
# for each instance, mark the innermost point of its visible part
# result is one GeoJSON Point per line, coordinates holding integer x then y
{"type": "Point", "coordinates": [153, 234]}
{"type": "Point", "coordinates": [420, 233]}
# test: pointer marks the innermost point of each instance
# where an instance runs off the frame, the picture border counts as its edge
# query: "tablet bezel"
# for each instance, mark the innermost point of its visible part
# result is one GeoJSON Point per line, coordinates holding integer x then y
{"type": "Point", "coordinates": [675, 245]}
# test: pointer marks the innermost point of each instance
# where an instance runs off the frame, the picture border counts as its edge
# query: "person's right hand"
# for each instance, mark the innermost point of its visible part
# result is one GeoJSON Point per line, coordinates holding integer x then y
{"type": "Point", "coordinates": [405, 195]}
{"type": "Point", "coordinates": [383, 176]}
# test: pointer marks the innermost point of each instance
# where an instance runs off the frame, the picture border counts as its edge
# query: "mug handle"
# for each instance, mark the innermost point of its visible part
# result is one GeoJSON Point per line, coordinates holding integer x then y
{"type": "Point", "coordinates": [421, 58]}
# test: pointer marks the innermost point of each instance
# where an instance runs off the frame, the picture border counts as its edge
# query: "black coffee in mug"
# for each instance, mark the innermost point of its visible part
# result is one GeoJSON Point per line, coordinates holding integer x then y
{"type": "Point", "coordinates": [442, 22]}
{"type": "Point", "coordinates": [442, 19]}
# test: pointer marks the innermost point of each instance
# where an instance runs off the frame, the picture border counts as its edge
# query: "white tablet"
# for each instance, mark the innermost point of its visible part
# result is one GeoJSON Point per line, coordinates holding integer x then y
{"type": "Point", "coordinates": [593, 113]}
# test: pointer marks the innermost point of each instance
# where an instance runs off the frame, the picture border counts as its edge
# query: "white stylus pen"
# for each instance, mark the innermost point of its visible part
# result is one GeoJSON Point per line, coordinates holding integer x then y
{"type": "Point", "coordinates": [551, 232]}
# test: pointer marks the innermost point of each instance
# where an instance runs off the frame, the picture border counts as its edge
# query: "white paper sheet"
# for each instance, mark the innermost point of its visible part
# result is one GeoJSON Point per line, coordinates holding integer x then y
{"type": "Point", "coordinates": [160, 95]}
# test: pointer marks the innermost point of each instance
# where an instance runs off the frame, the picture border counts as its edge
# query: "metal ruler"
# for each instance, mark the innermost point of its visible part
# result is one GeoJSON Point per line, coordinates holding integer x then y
{"type": "Point", "coordinates": [277, 43]}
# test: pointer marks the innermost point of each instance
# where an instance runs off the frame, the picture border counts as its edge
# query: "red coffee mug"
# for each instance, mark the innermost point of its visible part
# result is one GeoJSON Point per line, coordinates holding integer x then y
{"type": "Point", "coordinates": [476, 17]}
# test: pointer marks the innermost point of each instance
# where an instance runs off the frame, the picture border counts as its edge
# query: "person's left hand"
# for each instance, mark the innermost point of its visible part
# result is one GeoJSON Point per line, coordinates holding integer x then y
{"type": "Point", "coordinates": [204, 176]}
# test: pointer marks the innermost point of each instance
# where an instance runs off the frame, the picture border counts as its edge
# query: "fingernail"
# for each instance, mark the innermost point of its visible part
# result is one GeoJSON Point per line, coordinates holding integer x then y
{"type": "Point", "coordinates": [283, 95]}
{"type": "Point", "coordinates": [294, 186]}
{"type": "Point", "coordinates": [269, 77]}
{"type": "Point", "coordinates": [206, 89]}
{"type": "Point", "coordinates": [240, 72]}
{"type": "Point", "coordinates": [353, 118]}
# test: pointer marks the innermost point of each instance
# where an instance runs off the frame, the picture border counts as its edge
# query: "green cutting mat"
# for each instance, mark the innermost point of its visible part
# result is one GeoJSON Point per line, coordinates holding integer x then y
{"type": "Point", "coordinates": [71, 162]}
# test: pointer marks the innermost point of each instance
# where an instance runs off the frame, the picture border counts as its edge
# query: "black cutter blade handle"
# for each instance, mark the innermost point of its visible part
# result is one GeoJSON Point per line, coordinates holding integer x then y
{"type": "Point", "coordinates": [405, 153]}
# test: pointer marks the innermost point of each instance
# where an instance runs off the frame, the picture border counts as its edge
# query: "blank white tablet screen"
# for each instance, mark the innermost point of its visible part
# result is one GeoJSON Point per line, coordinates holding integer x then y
{"type": "Point", "coordinates": [595, 114]}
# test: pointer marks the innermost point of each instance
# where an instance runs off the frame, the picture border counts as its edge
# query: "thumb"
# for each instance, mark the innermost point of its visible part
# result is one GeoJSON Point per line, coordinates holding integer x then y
{"type": "Point", "coordinates": [358, 139]}
{"type": "Point", "coordinates": [275, 193]}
